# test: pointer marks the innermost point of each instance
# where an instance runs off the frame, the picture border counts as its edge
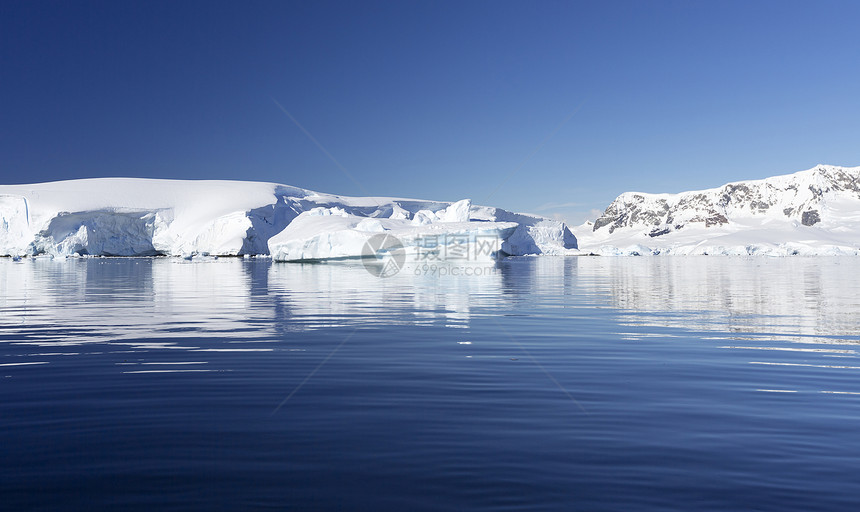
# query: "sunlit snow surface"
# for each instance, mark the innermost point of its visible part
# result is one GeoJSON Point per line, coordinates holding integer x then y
{"type": "Point", "coordinates": [813, 212]}
{"type": "Point", "coordinates": [145, 217]}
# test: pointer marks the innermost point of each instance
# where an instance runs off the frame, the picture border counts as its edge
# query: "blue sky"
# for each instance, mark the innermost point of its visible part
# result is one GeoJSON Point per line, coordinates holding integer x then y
{"type": "Point", "coordinates": [548, 107]}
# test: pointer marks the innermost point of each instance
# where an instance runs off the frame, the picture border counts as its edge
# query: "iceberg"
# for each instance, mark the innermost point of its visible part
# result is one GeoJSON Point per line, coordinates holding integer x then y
{"type": "Point", "coordinates": [332, 233]}
{"type": "Point", "coordinates": [155, 217]}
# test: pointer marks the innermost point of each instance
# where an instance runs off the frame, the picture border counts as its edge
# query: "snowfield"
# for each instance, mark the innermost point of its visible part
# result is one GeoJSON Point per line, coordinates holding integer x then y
{"type": "Point", "coordinates": [813, 212]}
{"type": "Point", "coordinates": [149, 217]}
{"type": "Point", "coordinates": [810, 213]}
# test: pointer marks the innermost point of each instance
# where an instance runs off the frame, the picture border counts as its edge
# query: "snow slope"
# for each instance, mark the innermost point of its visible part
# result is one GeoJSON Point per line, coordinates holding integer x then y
{"type": "Point", "coordinates": [134, 217]}
{"type": "Point", "coordinates": [811, 212]}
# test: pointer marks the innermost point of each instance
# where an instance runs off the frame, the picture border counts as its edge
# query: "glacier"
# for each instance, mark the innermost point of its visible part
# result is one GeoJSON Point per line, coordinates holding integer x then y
{"type": "Point", "coordinates": [153, 217]}
{"type": "Point", "coordinates": [812, 212]}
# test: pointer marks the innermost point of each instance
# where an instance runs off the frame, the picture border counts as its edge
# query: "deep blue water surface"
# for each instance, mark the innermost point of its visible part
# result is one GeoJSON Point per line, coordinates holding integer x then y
{"type": "Point", "coordinates": [542, 384]}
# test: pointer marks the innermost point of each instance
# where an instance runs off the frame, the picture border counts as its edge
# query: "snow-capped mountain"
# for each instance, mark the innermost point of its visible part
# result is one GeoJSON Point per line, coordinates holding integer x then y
{"type": "Point", "coordinates": [138, 217]}
{"type": "Point", "coordinates": [816, 211]}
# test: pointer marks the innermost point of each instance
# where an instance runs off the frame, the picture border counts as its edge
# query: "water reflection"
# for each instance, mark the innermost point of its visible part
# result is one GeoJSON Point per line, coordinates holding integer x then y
{"type": "Point", "coordinates": [157, 303]}
{"type": "Point", "coordinates": [794, 297]}
{"type": "Point", "coordinates": [246, 305]}
{"type": "Point", "coordinates": [141, 303]}
{"type": "Point", "coordinates": [310, 296]}
{"type": "Point", "coordinates": [792, 322]}
{"type": "Point", "coordinates": [721, 369]}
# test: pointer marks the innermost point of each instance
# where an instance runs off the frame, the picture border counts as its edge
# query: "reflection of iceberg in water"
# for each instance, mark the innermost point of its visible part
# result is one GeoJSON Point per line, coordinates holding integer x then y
{"type": "Point", "coordinates": [164, 303]}
{"type": "Point", "coordinates": [134, 302]}
{"type": "Point", "coordinates": [209, 298]}
{"type": "Point", "coordinates": [55, 292]}
{"type": "Point", "coordinates": [310, 296]}
{"type": "Point", "coordinates": [799, 297]}
{"type": "Point", "coordinates": [140, 304]}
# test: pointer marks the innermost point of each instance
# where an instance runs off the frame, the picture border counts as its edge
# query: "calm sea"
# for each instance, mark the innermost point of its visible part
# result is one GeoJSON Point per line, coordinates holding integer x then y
{"type": "Point", "coordinates": [537, 384]}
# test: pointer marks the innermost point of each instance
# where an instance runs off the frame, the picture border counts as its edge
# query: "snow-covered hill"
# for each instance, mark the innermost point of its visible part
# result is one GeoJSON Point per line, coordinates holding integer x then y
{"type": "Point", "coordinates": [136, 217]}
{"type": "Point", "coordinates": [810, 212]}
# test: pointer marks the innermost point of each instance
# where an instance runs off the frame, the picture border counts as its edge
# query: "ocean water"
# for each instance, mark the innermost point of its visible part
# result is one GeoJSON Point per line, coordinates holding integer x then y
{"type": "Point", "coordinates": [534, 384]}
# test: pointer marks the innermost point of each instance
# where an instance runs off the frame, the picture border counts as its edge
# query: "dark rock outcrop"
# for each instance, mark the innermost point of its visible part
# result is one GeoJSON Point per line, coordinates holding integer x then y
{"type": "Point", "coordinates": [797, 196]}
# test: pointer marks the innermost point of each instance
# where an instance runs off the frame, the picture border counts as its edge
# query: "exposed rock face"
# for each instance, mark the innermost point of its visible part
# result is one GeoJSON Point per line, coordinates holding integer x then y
{"type": "Point", "coordinates": [797, 197]}
{"type": "Point", "coordinates": [809, 218]}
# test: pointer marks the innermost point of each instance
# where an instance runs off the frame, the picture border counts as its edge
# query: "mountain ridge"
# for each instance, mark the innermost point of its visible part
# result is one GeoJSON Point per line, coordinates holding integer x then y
{"type": "Point", "coordinates": [811, 207]}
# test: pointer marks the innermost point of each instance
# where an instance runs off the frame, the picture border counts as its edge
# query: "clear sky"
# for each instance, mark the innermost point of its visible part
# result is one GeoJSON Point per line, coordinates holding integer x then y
{"type": "Point", "coordinates": [541, 106]}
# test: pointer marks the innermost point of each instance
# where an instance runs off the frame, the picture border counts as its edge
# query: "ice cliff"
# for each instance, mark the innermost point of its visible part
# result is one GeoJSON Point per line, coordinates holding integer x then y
{"type": "Point", "coordinates": [147, 217]}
